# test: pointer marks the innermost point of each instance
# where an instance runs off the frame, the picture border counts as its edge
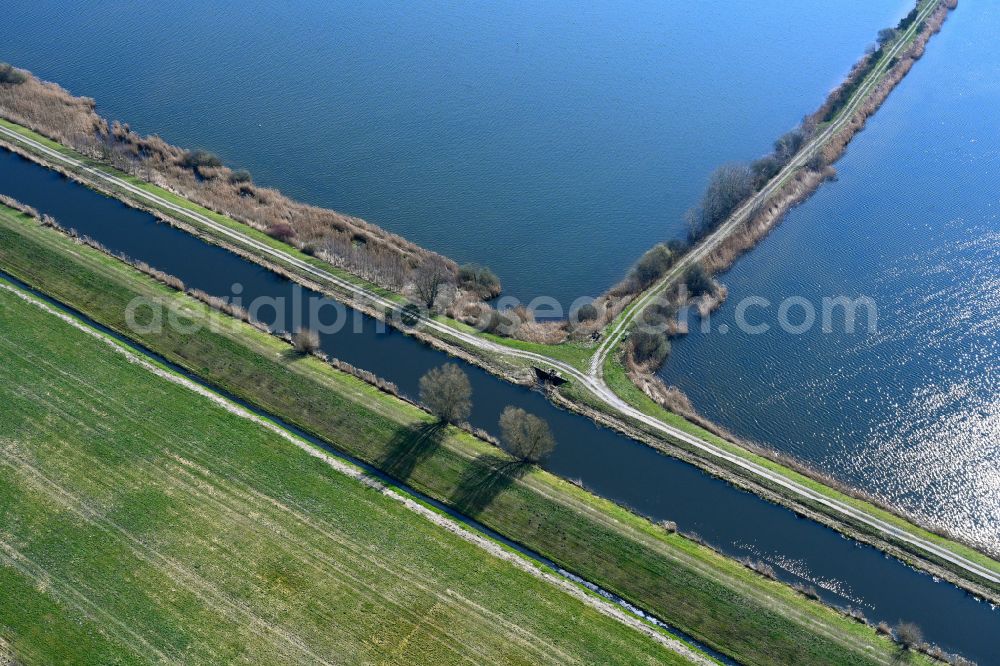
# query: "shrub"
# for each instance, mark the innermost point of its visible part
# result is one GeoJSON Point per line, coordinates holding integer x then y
{"type": "Point", "coordinates": [678, 246]}
{"type": "Point", "coordinates": [240, 176]}
{"type": "Point", "coordinates": [649, 347]}
{"type": "Point", "coordinates": [428, 278]}
{"type": "Point", "coordinates": [909, 635]}
{"type": "Point", "coordinates": [11, 76]}
{"type": "Point", "coordinates": [653, 265]}
{"type": "Point", "coordinates": [410, 314]}
{"type": "Point", "coordinates": [196, 159]}
{"type": "Point", "coordinates": [886, 35]}
{"type": "Point", "coordinates": [491, 320]}
{"type": "Point", "coordinates": [765, 169]}
{"type": "Point", "coordinates": [587, 312]}
{"type": "Point", "coordinates": [305, 341]}
{"type": "Point", "coordinates": [479, 279]}
{"type": "Point", "coordinates": [281, 231]}
{"type": "Point", "coordinates": [817, 162]}
{"type": "Point", "coordinates": [525, 436]}
{"type": "Point", "coordinates": [789, 143]}
{"type": "Point", "coordinates": [697, 281]}
{"type": "Point", "coordinates": [447, 393]}
{"type": "Point", "coordinates": [908, 20]}
{"type": "Point", "coordinates": [808, 591]}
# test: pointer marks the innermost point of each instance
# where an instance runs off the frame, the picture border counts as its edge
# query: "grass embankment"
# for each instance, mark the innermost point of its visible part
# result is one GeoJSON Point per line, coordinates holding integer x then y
{"type": "Point", "coordinates": [143, 522]}
{"type": "Point", "coordinates": [756, 620]}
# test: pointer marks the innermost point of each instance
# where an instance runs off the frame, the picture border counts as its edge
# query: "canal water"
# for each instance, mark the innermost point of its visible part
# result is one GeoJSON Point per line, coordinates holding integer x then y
{"type": "Point", "coordinates": [555, 141]}
{"type": "Point", "coordinates": [738, 523]}
{"type": "Point", "coordinates": [909, 412]}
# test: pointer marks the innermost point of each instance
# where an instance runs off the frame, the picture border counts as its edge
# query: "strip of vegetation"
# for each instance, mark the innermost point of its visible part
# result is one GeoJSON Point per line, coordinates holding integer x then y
{"type": "Point", "coordinates": [721, 602]}
{"type": "Point", "coordinates": [234, 544]}
{"type": "Point", "coordinates": [346, 242]}
{"type": "Point", "coordinates": [842, 95]}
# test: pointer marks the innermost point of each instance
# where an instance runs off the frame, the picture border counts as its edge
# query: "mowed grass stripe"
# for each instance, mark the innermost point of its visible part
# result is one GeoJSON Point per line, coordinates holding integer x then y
{"type": "Point", "coordinates": [119, 487]}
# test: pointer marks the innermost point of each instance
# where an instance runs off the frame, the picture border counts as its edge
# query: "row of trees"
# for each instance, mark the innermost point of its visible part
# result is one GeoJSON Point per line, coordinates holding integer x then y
{"type": "Point", "coordinates": [861, 71]}
{"type": "Point", "coordinates": [732, 184]}
{"type": "Point", "coordinates": [447, 393]}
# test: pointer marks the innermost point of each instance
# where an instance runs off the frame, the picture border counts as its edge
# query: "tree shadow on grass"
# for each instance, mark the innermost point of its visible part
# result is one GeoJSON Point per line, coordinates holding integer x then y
{"type": "Point", "coordinates": [290, 355]}
{"type": "Point", "coordinates": [485, 478]}
{"type": "Point", "coordinates": [410, 445]}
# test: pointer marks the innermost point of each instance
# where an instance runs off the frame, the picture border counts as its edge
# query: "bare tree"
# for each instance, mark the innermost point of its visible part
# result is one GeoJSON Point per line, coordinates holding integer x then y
{"type": "Point", "coordinates": [447, 393]}
{"type": "Point", "coordinates": [430, 275]}
{"type": "Point", "coordinates": [305, 341]}
{"type": "Point", "coordinates": [727, 187]}
{"type": "Point", "coordinates": [909, 635]}
{"type": "Point", "coordinates": [525, 436]}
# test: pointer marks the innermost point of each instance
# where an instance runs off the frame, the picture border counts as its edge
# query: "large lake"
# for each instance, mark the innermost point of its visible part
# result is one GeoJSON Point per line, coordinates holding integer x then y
{"type": "Point", "coordinates": [910, 413]}
{"type": "Point", "coordinates": [554, 141]}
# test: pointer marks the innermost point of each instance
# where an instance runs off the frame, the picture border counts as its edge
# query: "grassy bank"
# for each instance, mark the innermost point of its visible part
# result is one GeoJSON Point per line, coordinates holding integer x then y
{"type": "Point", "coordinates": [756, 620]}
{"type": "Point", "coordinates": [143, 522]}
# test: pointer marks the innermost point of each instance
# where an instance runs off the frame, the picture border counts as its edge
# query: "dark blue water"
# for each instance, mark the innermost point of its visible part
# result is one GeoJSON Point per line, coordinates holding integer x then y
{"type": "Point", "coordinates": [739, 523]}
{"type": "Point", "coordinates": [555, 141]}
{"type": "Point", "coordinates": [910, 413]}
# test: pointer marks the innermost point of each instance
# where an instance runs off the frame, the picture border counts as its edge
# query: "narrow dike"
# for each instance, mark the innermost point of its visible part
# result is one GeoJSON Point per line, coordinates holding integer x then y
{"type": "Point", "coordinates": [822, 139]}
{"type": "Point", "coordinates": [740, 524]}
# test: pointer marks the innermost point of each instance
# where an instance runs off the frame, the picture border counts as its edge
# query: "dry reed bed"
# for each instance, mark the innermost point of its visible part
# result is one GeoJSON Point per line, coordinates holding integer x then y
{"type": "Point", "coordinates": [344, 241]}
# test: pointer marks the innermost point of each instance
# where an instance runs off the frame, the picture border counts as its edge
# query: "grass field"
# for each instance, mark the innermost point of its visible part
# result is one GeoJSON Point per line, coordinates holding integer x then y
{"type": "Point", "coordinates": [756, 620]}
{"type": "Point", "coordinates": [143, 522]}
